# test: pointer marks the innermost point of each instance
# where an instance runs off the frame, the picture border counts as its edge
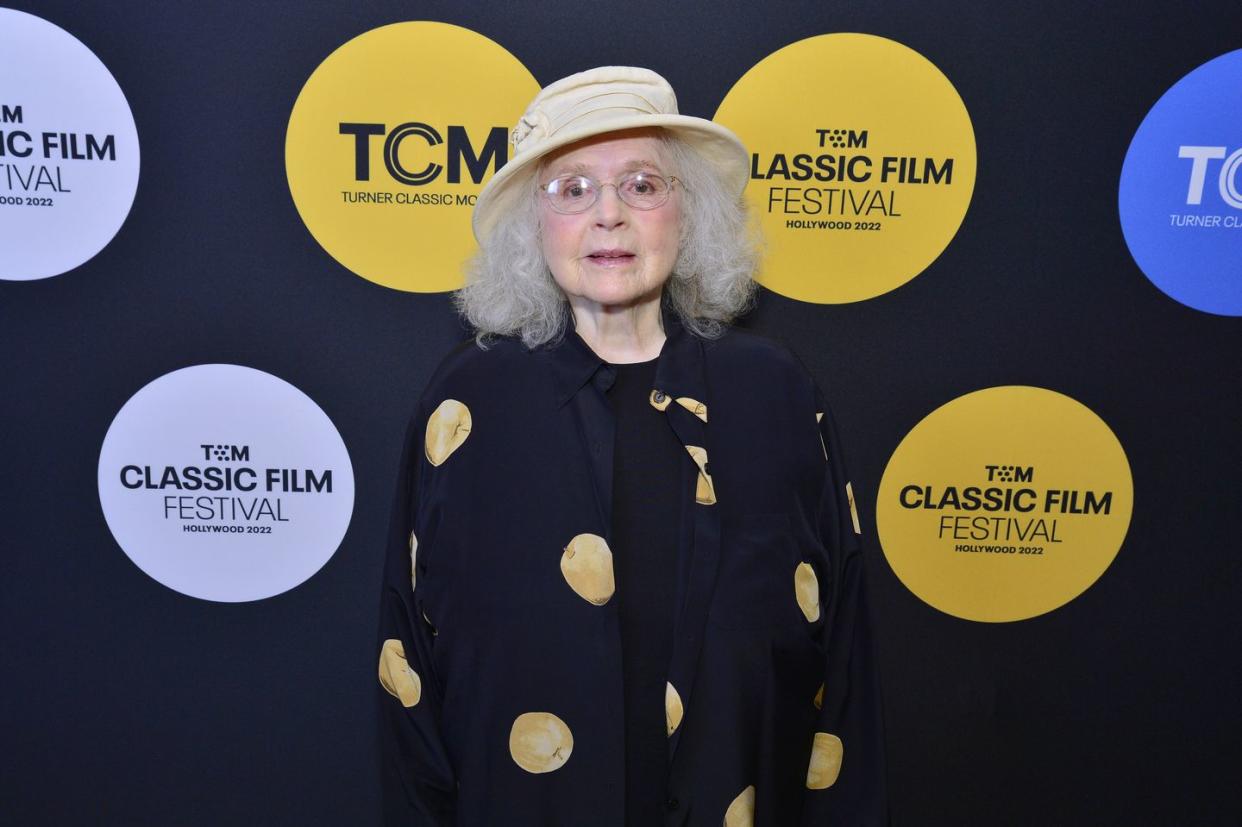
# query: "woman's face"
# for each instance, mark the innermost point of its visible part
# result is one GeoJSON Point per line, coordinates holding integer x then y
{"type": "Point", "coordinates": [611, 255]}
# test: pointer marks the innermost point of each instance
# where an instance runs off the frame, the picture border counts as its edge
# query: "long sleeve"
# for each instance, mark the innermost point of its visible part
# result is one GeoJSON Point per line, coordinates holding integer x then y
{"type": "Point", "coordinates": [417, 776]}
{"type": "Point", "coordinates": [846, 777]}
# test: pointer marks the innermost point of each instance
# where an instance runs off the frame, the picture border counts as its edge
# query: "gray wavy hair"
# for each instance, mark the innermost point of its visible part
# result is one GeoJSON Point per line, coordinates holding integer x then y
{"type": "Point", "coordinates": [509, 290]}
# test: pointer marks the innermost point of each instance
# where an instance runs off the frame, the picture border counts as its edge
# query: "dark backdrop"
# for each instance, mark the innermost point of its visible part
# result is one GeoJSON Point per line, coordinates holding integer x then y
{"type": "Point", "coordinates": [125, 702]}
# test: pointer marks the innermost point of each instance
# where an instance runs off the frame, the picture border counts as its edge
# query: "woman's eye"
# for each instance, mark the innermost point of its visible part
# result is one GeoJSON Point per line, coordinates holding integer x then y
{"type": "Point", "coordinates": [644, 185]}
{"type": "Point", "coordinates": [573, 188]}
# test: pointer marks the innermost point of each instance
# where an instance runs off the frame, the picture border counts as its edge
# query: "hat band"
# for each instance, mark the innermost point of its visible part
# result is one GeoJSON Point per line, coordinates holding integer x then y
{"type": "Point", "coordinates": [601, 102]}
{"type": "Point", "coordinates": [537, 126]}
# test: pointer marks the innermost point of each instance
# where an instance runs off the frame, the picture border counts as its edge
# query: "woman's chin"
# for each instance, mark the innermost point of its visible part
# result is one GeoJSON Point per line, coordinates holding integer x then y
{"type": "Point", "coordinates": [614, 288]}
{"type": "Point", "coordinates": [626, 295]}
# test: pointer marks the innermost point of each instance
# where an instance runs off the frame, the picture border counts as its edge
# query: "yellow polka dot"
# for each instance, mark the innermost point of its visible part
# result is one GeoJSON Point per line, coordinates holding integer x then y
{"type": "Point", "coordinates": [704, 490]}
{"type": "Point", "coordinates": [694, 406]}
{"type": "Point", "coordinates": [540, 742]}
{"type": "Point", "coordinates": [587, 566]}
{"type": "Point", "coordinates": [849, 495]}
{"type": "Point", "coordinates": [659, 400]}
{"type": "Point", "coordinates": [413, 560]}
{"type": "Point", "coordinates": [819, 698]}
{"type": "Point", "coordinates": [396, 676]}
{"type": "Point", "coordinates": [672, 707]}
{"type": "Point", "coordinates": [806, 590]}
{"type": "Point", "coordinates": [447, 429]}
{"type": "Point", "coordinates": [825, 766]}
{"type": "Point", "coordinates": [741, 812]}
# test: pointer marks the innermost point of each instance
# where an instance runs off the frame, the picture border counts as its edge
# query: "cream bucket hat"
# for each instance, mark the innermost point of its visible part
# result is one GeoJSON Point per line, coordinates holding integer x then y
{"type": "Point", "coordinates": [594, 102]}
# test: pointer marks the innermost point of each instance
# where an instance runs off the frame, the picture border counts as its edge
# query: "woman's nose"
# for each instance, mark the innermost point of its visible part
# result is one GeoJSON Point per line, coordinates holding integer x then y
{"type": "Point", "coordinates": [609, 208]}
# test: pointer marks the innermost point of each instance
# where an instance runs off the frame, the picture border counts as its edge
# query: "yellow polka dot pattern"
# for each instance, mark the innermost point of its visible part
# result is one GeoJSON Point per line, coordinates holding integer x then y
{"type": "Point", "coordinates": [826, 754]}
{"type": "Point", "coordinates": [694, 406]}
{"type": "Point", "coordinates": [741, 812]}
{"type": "Point", "coordinates": [413, 560]}
{"type": "Point", "coordinates": [704, 491]}
{"type": "Point", "coordinates": [806, 590]}
{"type": "Point", "coordinates": [672, 707]}
{"type": "Point", "coordinates": [540, 742]}
{"type": "Point", "coordinates": [849, 495]}
{"type": "Point", "coordinates": [586, 564]}
{"type": "Point", "coordinates": [818, 700]}
{"type": "Point", "coordinates": [396, 676]}
{"type": "Point", "coordinates": [447, 429]}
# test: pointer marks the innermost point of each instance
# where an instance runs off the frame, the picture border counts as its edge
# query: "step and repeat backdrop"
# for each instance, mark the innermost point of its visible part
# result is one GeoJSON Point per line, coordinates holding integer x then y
{"type": "Point", "coordinates": [1006, 239]}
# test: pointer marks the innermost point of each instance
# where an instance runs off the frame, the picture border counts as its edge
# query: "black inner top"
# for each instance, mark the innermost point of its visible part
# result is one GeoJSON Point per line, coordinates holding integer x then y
{"type": "Point", "coordinates": [646, 508]}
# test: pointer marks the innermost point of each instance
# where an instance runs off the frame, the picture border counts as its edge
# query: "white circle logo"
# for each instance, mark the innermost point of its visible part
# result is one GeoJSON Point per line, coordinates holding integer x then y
{"type": "Point", "coordinates": [225, 483]}
{"type": "Point", "coordinates": [68, 150]}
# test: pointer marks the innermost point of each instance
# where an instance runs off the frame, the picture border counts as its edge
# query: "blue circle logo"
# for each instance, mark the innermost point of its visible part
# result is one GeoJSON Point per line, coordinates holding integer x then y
{"type": "Point", "coordinates": [1181, 189]}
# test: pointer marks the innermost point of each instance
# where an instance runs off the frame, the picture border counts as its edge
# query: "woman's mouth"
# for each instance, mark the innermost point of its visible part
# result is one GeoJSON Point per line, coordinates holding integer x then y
{"type": "Point", "coordinates": [610, 258]}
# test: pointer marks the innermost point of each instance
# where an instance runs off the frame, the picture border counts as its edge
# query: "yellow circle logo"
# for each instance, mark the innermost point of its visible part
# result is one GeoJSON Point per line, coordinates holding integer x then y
{"type": "Point", "coordinates": [1004, 504]}
{"type": "Point", "coordinates": [385, 158]}
{"type": "Point", "coordinates": [862, 164]}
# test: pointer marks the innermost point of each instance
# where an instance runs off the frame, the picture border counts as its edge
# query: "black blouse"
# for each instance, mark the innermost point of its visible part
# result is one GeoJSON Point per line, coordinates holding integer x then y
{"type": "Point", "coordinates": [502, 691]}
{"type": "Point", "coordinates": [646, 515]}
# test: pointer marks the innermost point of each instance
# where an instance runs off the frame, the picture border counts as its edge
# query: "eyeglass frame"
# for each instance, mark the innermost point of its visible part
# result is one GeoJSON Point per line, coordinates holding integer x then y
{"type": "Point", "coordinates": [599, 188]}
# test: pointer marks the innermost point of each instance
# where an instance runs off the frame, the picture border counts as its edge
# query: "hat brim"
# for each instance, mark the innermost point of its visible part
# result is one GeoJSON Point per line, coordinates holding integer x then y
{"type": "Point", "coordinates": [716, 144]}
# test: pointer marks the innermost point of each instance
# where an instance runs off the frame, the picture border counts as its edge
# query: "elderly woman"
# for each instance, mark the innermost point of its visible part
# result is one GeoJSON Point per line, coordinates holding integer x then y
{"type": "Point", "coordinates": [623, 583]}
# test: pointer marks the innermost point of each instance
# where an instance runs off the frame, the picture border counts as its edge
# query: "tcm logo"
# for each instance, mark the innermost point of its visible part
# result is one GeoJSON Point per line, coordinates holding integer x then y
{"type": "Point", "coordinates": [226, 453]}
{"type": "Point", "coordinates": [1010, 473]}
{"type": "Point", "coordinates": [842, 138]}
{"type": "Point", "coordinates": [460, 150]}
{"type": "Point", "coordinates": [1201, 158]}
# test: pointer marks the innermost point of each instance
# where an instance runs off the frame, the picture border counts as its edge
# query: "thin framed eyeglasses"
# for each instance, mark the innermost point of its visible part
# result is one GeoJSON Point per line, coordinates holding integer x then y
{"type": "Point", "coordinates": [571, 194]}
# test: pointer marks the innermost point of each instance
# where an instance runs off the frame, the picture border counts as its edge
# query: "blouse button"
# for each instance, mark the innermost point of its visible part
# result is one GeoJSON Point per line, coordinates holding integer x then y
{"type": "Point", "coordinates": [659, 396]}
{"type": "Point", "coordinates": [672, 804]}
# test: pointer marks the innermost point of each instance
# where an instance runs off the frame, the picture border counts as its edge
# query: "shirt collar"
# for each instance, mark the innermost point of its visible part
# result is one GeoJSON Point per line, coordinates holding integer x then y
{"type": "Point", "coordinates": [679, 369]}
